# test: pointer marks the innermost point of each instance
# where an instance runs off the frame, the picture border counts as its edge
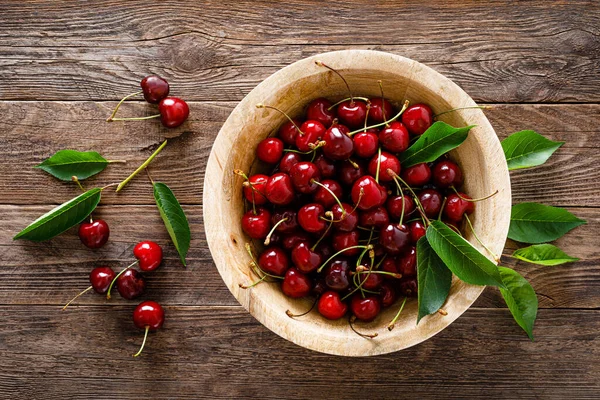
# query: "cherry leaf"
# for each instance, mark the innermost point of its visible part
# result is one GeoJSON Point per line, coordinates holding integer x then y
{"type": "Point", "coordinates": [433, 277]}
{"type": "Point", "coordinates": [65, 164]}
{"type": "Point", "coordinates": [174, 218]}
{"type": "Point", "coordinates": [537, 223]}
{"type": "Point", "coordinates": [520, 299]}
{"type": "Point", "coordinates": [527, 149]}
{"type": "Point", "coordinates": [543, 254]}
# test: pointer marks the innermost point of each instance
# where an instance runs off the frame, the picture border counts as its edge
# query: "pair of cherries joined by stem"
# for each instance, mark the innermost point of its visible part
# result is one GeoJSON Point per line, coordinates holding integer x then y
{"type": "Point", "coordinates": [173, 111]}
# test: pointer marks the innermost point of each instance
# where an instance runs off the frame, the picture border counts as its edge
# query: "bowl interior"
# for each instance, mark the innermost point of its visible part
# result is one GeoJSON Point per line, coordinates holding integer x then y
{"type": "Point", "coordinates": [291, 89]}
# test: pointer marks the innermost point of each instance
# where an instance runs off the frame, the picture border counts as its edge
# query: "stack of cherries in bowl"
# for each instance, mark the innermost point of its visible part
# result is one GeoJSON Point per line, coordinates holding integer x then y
{"type": "Point", "coordinates": [338, 214]}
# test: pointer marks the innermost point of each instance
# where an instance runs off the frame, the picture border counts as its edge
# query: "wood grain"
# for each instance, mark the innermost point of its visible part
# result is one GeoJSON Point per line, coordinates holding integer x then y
{"type": "Point", "coordinates": [220, 50]}
{"type": "Point", "coordinates": [483, 353]}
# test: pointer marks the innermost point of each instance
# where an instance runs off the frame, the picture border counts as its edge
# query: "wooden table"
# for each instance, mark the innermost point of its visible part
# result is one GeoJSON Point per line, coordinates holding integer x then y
{"type": "Point", "coordinates": [63, 66]}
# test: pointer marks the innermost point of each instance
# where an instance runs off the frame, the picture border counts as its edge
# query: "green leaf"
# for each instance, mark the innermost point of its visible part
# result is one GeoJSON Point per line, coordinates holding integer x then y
{"type": "Point", "coordinates": [433, 277]}
{"type": "Point", "coordinates": [543, 254]}
{"type": "Point", "coordinates": [174, 218]}
{"type": "Point", "coordinates": [520, 299]}
{"type": "Point", "coordinates": [439, 139]}
{"type": "Point", "coordinates": [61, 218]}
{"type": "Point", "coordinates": [67, 163]}
{"type": "Point", "coordinates": [537, 223]}
{"type": "Point", "coordinates": [527, 149]}
{"type": "Point", "coordinates": [468, 264]}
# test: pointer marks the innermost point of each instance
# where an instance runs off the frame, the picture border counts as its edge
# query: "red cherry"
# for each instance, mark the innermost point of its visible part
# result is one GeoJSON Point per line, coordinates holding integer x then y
{"type": "Point", "coordinates": [349, 173]}
{"type": "Point", "coordinates": [365, 144]}
{"type": "Point", "coordinates": [291, 240]}
{"type": "Point", "coordinates": [395, 137]}
{"type": "Point", "coordinates": [258, 225]}
{"type": "Point", "coordinates": [289, 225]}
{"type": "Point", "coordinates": [417, 231]}
{"type": "Point", "coordinates": [318, 109]}
{"type": "Point", "coordinates": [390, 264]}
{"type": "Point", "coordinates": [375, 217]}
{"type": "Point", "coordinates": [100, 279]}
{"type": "Point", "coordinates": [331, 305]}
{"type": "Point", "coordinates": [394, 239]}
{"type": "Point", "coordinates": [387, 294]}
{"type": "Point", "coordinates": [288, 132]}
{"type": "Point", "coordinates": [322, 195]}
{"type": "Point", "coordinates": [431, 200]}
{"type": "Point", "coordinates": [338, 145]}
{"type": "Point", "coordinates": [254, 189]}
{"type": "Point", "coordinates": [417, 118]}
{"type": "Point", "coordinates": [130, 284]}
{"type": "Point", "coordinates": [310, 218]}
{"type": "Point", "coordinates": [337, 275]}
{"type": "Point", "coordinates": [325, 165]}
{"type": "Point", "coordinates": [303, 174]}
{"type": "Point", "coordinates": [312, 132]}
{"type": "Point", "coordinates": [381, 110]}
{"type": "Point", "coordinates": [456, 207]}
{"type": "Point", "coordinates": [295, 284]}
{"type": "Point", "coordinates": [371, 281]}
{"type": "Point", "coordinates": [447, 173]}
{"type": "Point", "coordinates": [279, 189]}
{"type": "Point", "coordinates": [352, 114]}
{"type": "Point", "coordinates": [149, 314]}
{"type": "Point", "coordinates": [325, 249]}
{"type": "Point", "coordinates": [94, 234]}
{"type": "Point", "coordinates": [173, 111]}
{"type": "Point", "coordinates": [305, 259]}
{"type": "Point", "coordinates": [394, 206]}
{"type": "Point", "coordinates": [409, 287]}
{"type": "Point", "coordinates": [274, 260]}
{"type": "Point", "coordinates": [155, 88]}
{"type": "Point", "coordinates": [387, 161]}
{"type": "Point", "coordinates": [270, 150]}
{"type": "Point", "coordinates": [417, 175]}
{"type": "Point", "coordinates": [343, 240]}
{"type": "Point", "coordinates": [407, 263]}
{"type": "Point", "coordinates": [365, 309]}
{"type": "Point", "coordinates": [346, 220]}
{"type": "Point", "coordinates": [288, 161]}
{"type": "Point", "coordinates": [374, 195]}
{"type": "Point", "coordinates": [149, 255]}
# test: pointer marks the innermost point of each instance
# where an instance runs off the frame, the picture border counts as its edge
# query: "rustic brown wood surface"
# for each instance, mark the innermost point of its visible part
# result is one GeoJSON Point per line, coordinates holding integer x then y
{"type": "Point", "coordinates": [63, 66]}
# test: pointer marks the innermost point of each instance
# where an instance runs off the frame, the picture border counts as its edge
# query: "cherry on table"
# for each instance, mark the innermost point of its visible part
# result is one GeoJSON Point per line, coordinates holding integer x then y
{"type": "Point", "coordinates": [417, 175]}
{"type": "Point", "coordinates": [94, 234]}
{"type": "Point", "coordinates": [384, 161]}
{"type": "Point", "coordinates": [270, 150]}
{"type": "Point", "coordinates": [331, 305]}
{"type": "Point", "coordinates": [130, 284]}
{"type": "Point", "coordinates": [365, 144]}
{"type": "Point", "coordinates": [365, 309]}
{"type": "Point", "coordinates": [394, 137]}
{"type": "Point", "coordinates": [258, 225]}
{"type": "Point", "coordinates": [295, 284]}
{"type": "Point", "coordinates": [447, 173]}
{"type": "Point", "coordinates": [318, 110]}
{"type": "Point", "coordinates": [154, 88]}
{"type": "Point", "coordinates": [279, 189]}
{"type": "Point", "coordinates": [173, 111]}
{"type": "Point", "coordinates": [149, 255]}
{"type": "Point", "coordinates": [274, 260]}
{"type": "Point", "coordinates": [150, 316]}
{"type": "Point", "coordinates": [417, 118]}
{"type": "Point", "coordinates": [100, 280]}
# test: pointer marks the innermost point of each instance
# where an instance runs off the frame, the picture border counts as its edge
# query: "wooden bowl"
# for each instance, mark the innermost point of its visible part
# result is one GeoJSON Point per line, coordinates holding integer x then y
{"type": "Point", "coordinates": [291, 89]}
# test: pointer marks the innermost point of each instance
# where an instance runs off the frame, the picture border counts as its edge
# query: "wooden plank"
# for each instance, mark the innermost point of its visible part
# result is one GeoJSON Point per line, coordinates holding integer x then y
{"type": "Point", "coordinates": [210, 353]}
{"type": "Point", "coordinates": [34, 130]}
{"type": "Point", "coordinates": [54, 271]}
{"type": "Point", "coordinates": [219, 50]}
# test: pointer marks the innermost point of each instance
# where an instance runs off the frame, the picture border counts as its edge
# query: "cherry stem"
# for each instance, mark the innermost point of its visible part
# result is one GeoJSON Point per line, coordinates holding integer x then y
{"type": "Point", "coordinates": [392, 274]}
{"type": "Point", "coordinates": [109, 185]}
{"type": "Point", "coordinates": [349, 98]}
{"type": "Point", "coordinates": [378, 164]}
{"type": "Point", "coordinates": [367, 116]}
{"type": "Point", "coordinates": [321, 64]}
{"type": "Point", "coordinates": [496, 258]}
{"type": "Point", "coordinates": [324, 233]}
{"type": "Point", "coordinates": [135, 118]}
{"type": "Point", "coordinates": [261, 105]}
{"type": "Point", "coordinates": [364, 335]}
{"type": "Point", "coordinates": [117, 161]}
{"type": "Point", "coordinates": [149, 177]}
{"type": "Point", "coordinates": [403, 205]}
{"type": "Point", "coordinates": [253, 283]}
{"type": "Point", "coordinates": [116, 277]}
{"type": "Point", "coordinates": [76, 180]}
{"type": "Point", "coordinates": [332, 194]}
{"type": "Point", "coordinates": [247, 181]}
{"type": "Point", "coordinates": [141, 167]}
{"type": "Point", "coordinates": [382, 103]}
{"type": "Point", "coordinates": [359, 285]}
{"type": "Point", "coordinates": [289, 313]}
{"type": "Point", "coordinates": [385, 123]}
{"type": "Point", "coordinates": [143, 343]}
{"type": "Point", "coordinates": [393, 323]}
{"type": "Point", "coordinates": [73, 299]}
{"type": "Point", "coordinates": [417, 202]}
{"type": "Point", "coordinates": [474, 200]}
{"type": "Point", "coordinates": [255, 264]}
{"type": "Point", "coordinates": [462, 108]}
{"type": "Point", "coordinates": [340, 252]}
{"type": "Point", "coordinates": [439, 218]}
{"type": "Point", "coordinates": [111, 118]}
{"type": "Point", "coordinates": [268, 238]}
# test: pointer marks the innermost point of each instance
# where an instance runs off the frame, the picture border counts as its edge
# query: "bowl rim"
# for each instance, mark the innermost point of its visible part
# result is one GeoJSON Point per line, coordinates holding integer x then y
{"type": "Point", "coordinates": [342, 59]}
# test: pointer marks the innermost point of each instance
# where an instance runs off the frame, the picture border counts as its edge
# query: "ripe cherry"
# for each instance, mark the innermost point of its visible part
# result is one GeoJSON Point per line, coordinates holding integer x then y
{"type": "Point", "coordinates": [303, 174]}
{"type": "Point", "coordinates": [154, 88]}
{"type": "Point", "coordinates": [352, 113]}
{"type": "Point", "coordinates": [386, 161]}
{"type": "Point", "coordinates": [291, 220]}
{"type": "Point", "coordinates": [274, 261]}
{"type": "Point", "coordinates": [331, 305]}
{"type": "Point", "coordinates": [295, 284]}
{"type": "Point", "coordinates": [417, 231]}
{"type": "Point", "coordinates": [318, 109]}
{"type": "Point", "coordinates": [94, 234]}
{"type": "Point", "coordinates": [371, 281]}
{"type": "Point", "coordinates": [394, 239]}
{"type": "Point", "coordinates": [374, 195]}
{"type": "Point", "coordinates": [365, 309]}
{"type": "Point", "coordinates": [258, 225]}
{"type": "Point", "coordinates": [100, 278]}
{"type": "Point", "coordinates": [173, 111]}
{"type": "Point", "coordinates": [279, 189]}
{"type": "Point", "coordinates": [350, 172]}
{"type": "Point", "coordinates": [390, 264]}
{"type": "Point", "coordinates": [291, 240]}
{"type": "Point", "coordinates": [375, 217]}
{"type": "Point", "coordinates": [365, 144]}
{"type": "Point", "coordinates": [346, 220]}
{"type": "Point", "coordinates": [456, 207]}
{"type": "Point", "coordinates": [149, 255]}
{"type": "Point", "coordinates": [288, 131]}
{"type": "Point", "coordinates": [288, 161]}
{"type": "Point", "coordinates": [324, 197]}
{"type": "Point", "coordinates": [254, 189]}
{"type": "Point", "coordinates": [431, 200]}
{"type": "Point", "coordinates": [394, 206]}
{"type": "Point", "coordinates": [387, 294]}
{"type": "Point", "coordinates": [310, 218]}
{"type": "Point", "coordinates": [409, 287]}
{"type": "Point", "coordinates": [148, 315]}
{"type": "Point", "coordinates": [338, 145]}
{"type": "Point", "coordinates": [343, 240]}
{"type": "Point", "coordinates": [417, 175]}
{"type": "Point", "coordinates": [306, 259]}
{"type": "Point", "coordinates": [270, 150]}
{"type": "Point", "coordinates": [417, 118]}
{"type": "Point", "coordinates": [381, 110]}
{"type": "Point", "coordinates": [130, 284]}
{"type": "Point", "coordinates": [407, 263]}
{"type": "Point", "coordinates": [395, 137]}
{"type": "Point", "coordinates": [337, 275]}
{"type": "Point", "coordinates": [447, 173]}
{"type": "Point", "coordinates": [326, 166]}
{"type": "Point", "coordinates": [311, 132]}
